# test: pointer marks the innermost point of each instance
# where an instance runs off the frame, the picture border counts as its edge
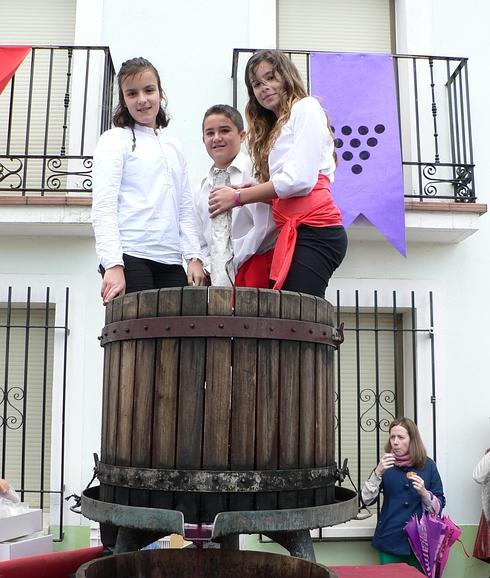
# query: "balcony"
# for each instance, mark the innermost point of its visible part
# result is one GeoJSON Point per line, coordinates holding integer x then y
{"type": "Point", "coordinates": [436, 142]}
{"type": "Point", "coordinates": [61, 99]}
{"type": "Point", "coordinates": [51, 114]}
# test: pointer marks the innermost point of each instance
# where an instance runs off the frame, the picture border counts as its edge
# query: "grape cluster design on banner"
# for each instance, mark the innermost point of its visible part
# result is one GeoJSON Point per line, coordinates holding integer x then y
{"type": "Point", "coordinates": [359, 145]}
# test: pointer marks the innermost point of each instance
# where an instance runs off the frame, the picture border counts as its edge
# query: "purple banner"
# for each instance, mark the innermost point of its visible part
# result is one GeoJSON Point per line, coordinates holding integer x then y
{"type": "Point", "coordinates": [358, 93]}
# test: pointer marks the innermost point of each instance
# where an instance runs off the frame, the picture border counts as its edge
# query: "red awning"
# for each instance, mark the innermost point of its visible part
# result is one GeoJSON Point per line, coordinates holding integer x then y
{"type": "Point", "coordinates": [11, 58]}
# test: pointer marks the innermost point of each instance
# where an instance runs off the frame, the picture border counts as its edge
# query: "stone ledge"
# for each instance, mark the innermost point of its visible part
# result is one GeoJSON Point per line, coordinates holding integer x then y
{"type": "Point", "coordinates": [445, 207]}
{"type": "Point", "coordinates": [86, 201]}
{"type": "Point", "coordinates": [51, 200]}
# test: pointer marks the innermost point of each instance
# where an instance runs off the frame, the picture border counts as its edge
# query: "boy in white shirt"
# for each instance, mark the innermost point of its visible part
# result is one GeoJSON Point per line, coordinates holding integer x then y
{"type": "Point", "coordinates": [253, 230]}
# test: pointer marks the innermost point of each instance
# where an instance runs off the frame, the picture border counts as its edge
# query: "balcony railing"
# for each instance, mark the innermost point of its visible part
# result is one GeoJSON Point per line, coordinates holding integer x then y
{"type": "Point", "coordinates": [434, 115]}
{"type": "Point", "coordinates": [51, 114]}
{"type": "Point", "coordinates": [61, 98]}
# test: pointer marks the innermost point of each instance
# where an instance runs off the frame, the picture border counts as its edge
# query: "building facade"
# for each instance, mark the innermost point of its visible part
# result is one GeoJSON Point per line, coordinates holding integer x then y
{"type": "Point", "coordinates": [431, 304]}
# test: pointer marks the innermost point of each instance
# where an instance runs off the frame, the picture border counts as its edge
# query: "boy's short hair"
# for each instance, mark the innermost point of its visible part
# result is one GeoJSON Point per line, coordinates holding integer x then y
{"type": "Point", "coordinates": [226, 110]}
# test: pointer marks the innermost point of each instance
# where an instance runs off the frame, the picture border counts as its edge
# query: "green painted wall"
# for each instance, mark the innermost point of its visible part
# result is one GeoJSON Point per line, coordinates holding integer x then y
{"type": "Point", "coordinates": [359, 552]}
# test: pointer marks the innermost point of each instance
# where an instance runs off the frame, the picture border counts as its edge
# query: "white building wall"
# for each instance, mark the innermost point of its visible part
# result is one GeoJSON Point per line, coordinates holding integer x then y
{"type": "Point", "coordinates": [191, 44]}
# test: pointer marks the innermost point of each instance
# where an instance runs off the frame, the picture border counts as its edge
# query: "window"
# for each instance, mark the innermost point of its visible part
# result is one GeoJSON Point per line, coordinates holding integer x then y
{"type": "Point", "coordinates": [26, 370]}
{"type": "Point", "coordinates": [337, 25]}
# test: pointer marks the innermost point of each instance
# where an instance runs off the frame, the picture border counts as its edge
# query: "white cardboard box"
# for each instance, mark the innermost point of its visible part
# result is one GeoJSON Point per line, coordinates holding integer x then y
{"type": "Point", "coordinates": [27, 546]}
{"type": "Point", "coordinates": [24, 524]}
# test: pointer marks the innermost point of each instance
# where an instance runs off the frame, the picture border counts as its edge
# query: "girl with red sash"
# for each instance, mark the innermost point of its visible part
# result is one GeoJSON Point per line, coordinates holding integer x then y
{"type": "Point", "coordinates": [292, 149]}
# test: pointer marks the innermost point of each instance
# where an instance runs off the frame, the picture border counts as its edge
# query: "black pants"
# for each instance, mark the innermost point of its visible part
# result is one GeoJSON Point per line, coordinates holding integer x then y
{"type": "Point", "coordinates": [318, 252]}
{"type": "Point", "coordinates": [141, 274]}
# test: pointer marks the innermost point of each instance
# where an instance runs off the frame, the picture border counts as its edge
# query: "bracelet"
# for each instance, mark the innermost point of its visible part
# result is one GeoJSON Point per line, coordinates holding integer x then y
{"type": "Point", "coordinates": [238, 199]}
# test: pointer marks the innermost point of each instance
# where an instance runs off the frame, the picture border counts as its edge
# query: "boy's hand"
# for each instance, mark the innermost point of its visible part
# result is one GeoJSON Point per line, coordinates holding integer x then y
{"type": "Point", "coordinates": [221, 200]}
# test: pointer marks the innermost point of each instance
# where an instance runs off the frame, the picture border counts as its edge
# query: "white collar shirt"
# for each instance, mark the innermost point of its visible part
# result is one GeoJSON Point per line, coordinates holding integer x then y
{"type": "Point", "coordinates": [253, 229]}
{"type": "Point", "coordinates": [303, 150]}
{"type": "Point", "coordinates": [142, 202]}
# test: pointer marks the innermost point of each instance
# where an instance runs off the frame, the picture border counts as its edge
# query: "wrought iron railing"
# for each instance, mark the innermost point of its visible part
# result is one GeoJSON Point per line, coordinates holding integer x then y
{"type": "Point", "coordinates": [435, 125]}
{"type": "Point", "coordinates": [51, 113]}
{"type": "Point", "coordinates": [33, 383]}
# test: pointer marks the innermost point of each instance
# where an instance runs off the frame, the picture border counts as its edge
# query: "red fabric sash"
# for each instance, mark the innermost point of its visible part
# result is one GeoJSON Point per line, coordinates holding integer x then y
{"type": "Point", "coordinates": [316, 209]}
{"type": "Point", "coordinates": [255, 271]}
{"type": "Point", "coordinates": [11, 58]}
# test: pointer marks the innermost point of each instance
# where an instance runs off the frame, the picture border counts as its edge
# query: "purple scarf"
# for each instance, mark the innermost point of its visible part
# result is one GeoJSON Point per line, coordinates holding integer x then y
{"type": "Point", "coordinates": [404, 461]}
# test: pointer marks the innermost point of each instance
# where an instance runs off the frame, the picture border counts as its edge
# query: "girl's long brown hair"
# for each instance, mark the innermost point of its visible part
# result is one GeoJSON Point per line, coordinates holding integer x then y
{"type": "Point", "coordinates": [416, 447]}
{"type": "Point", "coordinates": [263, 125]}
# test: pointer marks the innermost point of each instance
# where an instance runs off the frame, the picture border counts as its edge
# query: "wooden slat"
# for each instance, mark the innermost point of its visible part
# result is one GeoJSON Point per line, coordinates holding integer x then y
{"type": "Point", "coordinates": [289, 397]}
{"type": "Point", "coordinates": [330, 428]}
{"type": "Point", "coordinates": [110, 393]}
{"type": "Point", "coordinates": [217, 405]}
{"type": "Point", "coordinates": [144, 376]}
{"type": "Point", "coordinates": [331, 320]}
{"type": "Point", "coordinates": [110, 390]}
{"type": "Point", "coordinates": [307, 400]}
{"type": "Point", "coordinates": [166, 395]}
{"type": "Point", "coordinates": [105, 393]}
{"type": "Point", "coordinates": [321, 414]}
{"type": "Point", "coordinates": [267, 398]}
{"type": "Point", "coordinates": [242, 448]}
{"type": "Point", "coordinates": [126, 391]}
{"type": "Point", "coordinates": [190, 403]}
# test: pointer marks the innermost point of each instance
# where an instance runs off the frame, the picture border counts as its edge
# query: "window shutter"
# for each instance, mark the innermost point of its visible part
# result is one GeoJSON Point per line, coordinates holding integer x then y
{"type": "Point", "coordinates": [24, 418]}
{"type": "Point", "coordinates": [358, 430]}
{"type": "Point", "coordinates": [336, 25]}
{"type": "Point", "coordinates": [24, 22]}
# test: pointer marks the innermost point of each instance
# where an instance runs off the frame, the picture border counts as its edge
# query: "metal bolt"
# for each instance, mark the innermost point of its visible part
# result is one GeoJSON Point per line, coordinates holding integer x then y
{"type": "Point", "coordinates": [192, 325]}
{"type": "Point", "coordinates": [221, 325]}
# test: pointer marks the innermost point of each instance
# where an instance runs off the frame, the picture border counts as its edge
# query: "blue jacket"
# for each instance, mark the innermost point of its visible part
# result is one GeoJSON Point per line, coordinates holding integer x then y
{"type": "Point", "coordinates": [400, 502]}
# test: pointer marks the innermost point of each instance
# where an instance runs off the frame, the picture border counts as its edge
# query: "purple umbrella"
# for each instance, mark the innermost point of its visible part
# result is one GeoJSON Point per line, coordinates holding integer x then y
{"type": "Point", "coordinates": [451, 534]}
{"type": "Point", "coordinates": [431, 538]}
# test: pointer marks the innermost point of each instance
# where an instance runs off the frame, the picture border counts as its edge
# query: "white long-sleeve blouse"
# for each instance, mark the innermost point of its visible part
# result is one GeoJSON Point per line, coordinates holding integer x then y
{"type": "Point", "coordinates": [303, 150]}
{"type": "Point", "coordinates": [142, 202]}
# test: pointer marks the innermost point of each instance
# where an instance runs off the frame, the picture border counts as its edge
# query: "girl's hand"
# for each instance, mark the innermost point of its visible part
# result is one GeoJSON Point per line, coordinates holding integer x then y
{"type": "Point", "coordinates": [221, 200]}
{"type": "Point", "coordinates": [419, 485]}
{"type": "Point", "coordinates": [195, 273]}
{"type": "Point", "coordinates": [386, 462]}
{"type": "Point", "coordinates": [113, 284]}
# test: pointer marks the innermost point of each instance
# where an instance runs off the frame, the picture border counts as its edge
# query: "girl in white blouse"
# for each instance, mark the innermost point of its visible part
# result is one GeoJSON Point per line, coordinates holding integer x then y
{"type": "Point", "coordinates": [142, 211]}
{"type": "Point", "coordinates": [292, 149]}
